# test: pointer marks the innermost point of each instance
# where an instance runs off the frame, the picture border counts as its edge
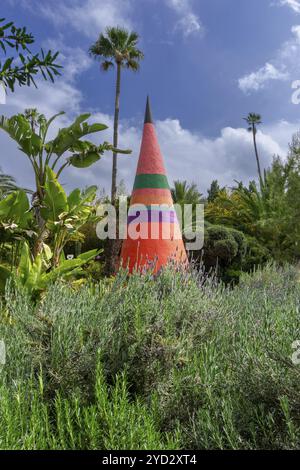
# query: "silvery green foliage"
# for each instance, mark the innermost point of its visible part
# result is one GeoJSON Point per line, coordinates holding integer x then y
{"type": "Point", "coordinates": [175, 361]}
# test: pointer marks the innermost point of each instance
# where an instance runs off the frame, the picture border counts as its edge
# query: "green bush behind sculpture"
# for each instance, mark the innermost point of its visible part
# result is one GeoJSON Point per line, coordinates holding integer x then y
{"type": "Point", "coordinates": [228, 252]}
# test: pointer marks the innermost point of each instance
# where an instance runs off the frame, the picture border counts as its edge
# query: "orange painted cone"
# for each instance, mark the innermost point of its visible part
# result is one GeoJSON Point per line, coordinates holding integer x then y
{"type": "Point", "coordinates": [153, 233]}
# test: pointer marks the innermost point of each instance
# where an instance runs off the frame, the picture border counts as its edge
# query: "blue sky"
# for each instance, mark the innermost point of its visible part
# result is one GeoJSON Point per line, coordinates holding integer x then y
{"type": "Point", "coordinates": [207, 64]}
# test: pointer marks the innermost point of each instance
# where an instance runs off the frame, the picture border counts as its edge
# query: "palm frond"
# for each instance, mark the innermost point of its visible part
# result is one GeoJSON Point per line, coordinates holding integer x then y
{"type": "Point", "coordinates": [132, 65]}
{"type": "Point", "coordinates": [106, 65]}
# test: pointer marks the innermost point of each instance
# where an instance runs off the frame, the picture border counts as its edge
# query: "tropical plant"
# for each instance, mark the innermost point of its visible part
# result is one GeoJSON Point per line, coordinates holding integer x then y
{"type": "Point", "coordinates": [213, 191]}
{"type": "Point", "coordinates": [253, 120]}
{"type": "Point", "coordinates": [7, 184]}
{"type": "Point", "coordinates": [65, 215]}
{"type": "Point", "coordinates": [42, 153]}
{"type": "Point", "coordinates": [32, 115]}
{"type": "Point", "coordinates": [22, 69]}
{"type": "Point", "coordinates": [184, 193]}
{"type": "Point", "coordinates": [269, 215]}
{"type": "Point", "coordinates": [117, 47]}
{"type": "Point", "coordinates": [34, 274]}
{"type": "Point", "coordinates": [16, 224]}
{"type": "Point", "coordinates": [64, 150]}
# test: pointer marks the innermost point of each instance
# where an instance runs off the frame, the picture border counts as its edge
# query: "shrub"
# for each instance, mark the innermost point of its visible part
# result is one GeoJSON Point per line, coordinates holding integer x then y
{"type": "Point", "coordinates": [224, 251]}
{"type": "Point", "coordinates": [175, 361]}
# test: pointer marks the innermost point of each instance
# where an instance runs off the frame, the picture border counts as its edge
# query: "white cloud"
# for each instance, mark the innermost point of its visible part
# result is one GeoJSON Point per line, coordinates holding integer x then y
{"type": "Point", "coordinates": [88, 17]}
{"type": "Point", "coordinates": [284, 66]}
{"type": "Point", "coordinates": [227, 157]}
{"type": "Point", "coordinates": [257, 80]}
{"type": "Point", "coordinates": [293, 4]}
{"type": "Point", "coordinates": [189, 23]}
{"type": "Point", "coordinates": [191, 156]}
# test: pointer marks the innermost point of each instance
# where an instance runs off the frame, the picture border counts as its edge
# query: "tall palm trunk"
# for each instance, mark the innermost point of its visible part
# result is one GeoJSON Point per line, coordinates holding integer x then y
{"type": "Point", "coordinates": [116, 125]}
{"type": "Point", "coordinates": [256, 156]}
{"type": "Point", "coordinates": [113, 245]}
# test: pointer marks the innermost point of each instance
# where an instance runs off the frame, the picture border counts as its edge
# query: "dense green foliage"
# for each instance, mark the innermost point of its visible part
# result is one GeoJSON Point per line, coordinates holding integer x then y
{"type": "Point", "coordinates": [33, 254]}
{"type": "Point", "coordinates": [42, 227]}
{"type": "Point", "coordinates": [141, 363]}
{"type": "Point", "coordinates": [184, 193]}
{"type": "Point", "coordinates": [270, 215]}
{"type": "Point", "coordinates": [30, 132]}
{"type": "Point", "coordinates": [7, 184]}
{"type": "Point", "coordinates": [229, 252]}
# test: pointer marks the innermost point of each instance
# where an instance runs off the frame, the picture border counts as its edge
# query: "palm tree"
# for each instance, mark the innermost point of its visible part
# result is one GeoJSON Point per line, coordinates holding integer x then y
{"type": "Point", "coordinates": [213, 191]}
{"type": "Point", "coordinates": [253, 120]}
{"type": "Point", "coordinates": [117, 47]}
{"type": "Point", "coordinates": [7, 184]}
{"type": "Point", "coordinates": [184, 193]}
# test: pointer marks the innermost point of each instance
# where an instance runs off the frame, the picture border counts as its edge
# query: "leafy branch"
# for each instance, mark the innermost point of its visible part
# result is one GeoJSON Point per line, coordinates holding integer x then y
{"type": "Point", "coordinates": [27, 66]}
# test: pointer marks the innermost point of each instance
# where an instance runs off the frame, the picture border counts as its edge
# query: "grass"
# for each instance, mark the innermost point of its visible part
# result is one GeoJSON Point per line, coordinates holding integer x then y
{"type": "Point", "coordinates": [140, 363]}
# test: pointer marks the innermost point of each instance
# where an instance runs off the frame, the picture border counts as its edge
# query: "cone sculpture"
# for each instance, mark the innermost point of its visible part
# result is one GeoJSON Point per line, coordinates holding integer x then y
{"type": "Point", "coordinates": [153, 232]}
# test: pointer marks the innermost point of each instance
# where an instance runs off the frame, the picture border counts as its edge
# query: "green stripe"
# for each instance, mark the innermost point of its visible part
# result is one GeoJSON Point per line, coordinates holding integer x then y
{"type": "Point", "coordinates": [151, 181]}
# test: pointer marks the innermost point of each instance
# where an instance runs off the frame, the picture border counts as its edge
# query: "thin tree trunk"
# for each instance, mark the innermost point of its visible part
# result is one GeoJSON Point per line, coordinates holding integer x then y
{"type": "Point", "coordinates": [115, 140]}
{"type": "Point", "coordinates": [113, 245]}
{"type": "Point", "coordinates": [257, 157]}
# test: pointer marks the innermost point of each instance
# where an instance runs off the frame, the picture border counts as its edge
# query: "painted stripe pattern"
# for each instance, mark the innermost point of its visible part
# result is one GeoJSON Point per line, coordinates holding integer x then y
{"type": "Point", "coordinates": [151, 212]}
{"type": "Point", "coordinates": [147, 180]}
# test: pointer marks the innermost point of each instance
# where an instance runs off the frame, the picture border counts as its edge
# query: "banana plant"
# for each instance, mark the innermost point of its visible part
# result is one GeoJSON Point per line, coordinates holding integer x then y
{"type": "Point", "coordinates": [35, 276]}
{"type": "Point", "coordinates": [65, 215]}
{"type": "Point", "coordinates": [15, 207]}
{"type": "Point", "coordinates": [7, 184]}
{"type": "Point", "coordinates": [66, 149]}
{"type": "Point", "coordinates": [16, 223]}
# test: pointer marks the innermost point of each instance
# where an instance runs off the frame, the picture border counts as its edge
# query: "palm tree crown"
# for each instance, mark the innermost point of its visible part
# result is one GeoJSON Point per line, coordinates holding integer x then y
{"type": "Point", "coordinates": [184, 193]}
{"type": "Point", "coordinates": [253, 120]}
{"type": "Point", "coordinates": [118, 46]}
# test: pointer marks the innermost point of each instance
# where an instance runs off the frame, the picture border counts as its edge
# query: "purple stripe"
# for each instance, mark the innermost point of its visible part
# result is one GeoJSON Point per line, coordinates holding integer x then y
{"type": "Point", "coordinates": [153, 216]}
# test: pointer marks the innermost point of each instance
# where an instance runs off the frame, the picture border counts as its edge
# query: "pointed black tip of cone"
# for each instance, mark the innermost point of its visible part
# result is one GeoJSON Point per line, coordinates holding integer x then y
{"type": "Point", "coordinates": [148, 115]}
